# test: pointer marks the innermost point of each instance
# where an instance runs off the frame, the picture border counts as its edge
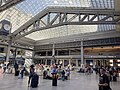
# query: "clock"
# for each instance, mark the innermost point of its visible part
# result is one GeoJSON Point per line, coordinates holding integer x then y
{"type": "Point", "coordinates": [7, 27]}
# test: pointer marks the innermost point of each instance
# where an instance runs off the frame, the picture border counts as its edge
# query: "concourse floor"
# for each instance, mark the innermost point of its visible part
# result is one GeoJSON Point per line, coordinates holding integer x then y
{"type": "Point", "coordinates": [78, 82]}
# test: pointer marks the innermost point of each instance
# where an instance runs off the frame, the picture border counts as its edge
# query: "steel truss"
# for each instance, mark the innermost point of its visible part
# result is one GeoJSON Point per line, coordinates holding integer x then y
{"type": "Point", "coordinates": [54, 17]}
{"type": "Point", "coordinates": [5, 41]}
{"type": "Point", "coordinates": [4, 4]}
{"type": "Point", "coordinates": [87, 43]}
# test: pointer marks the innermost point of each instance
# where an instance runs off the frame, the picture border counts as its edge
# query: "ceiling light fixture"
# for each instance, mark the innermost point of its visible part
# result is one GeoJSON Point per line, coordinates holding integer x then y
{"type": "Point", "coordinates": [56, 2]}
{"type": "Point", "coordinates": [70, 2]}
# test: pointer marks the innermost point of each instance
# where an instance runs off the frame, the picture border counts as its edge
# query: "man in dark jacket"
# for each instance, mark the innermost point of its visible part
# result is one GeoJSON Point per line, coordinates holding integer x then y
{"type": "Point", "coordinates": [104, 83]}
{"type": "Point", "coordinates": [16, 69]}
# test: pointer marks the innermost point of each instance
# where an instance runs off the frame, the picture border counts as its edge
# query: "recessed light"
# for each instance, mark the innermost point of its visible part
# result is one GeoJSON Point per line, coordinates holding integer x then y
{"type": "Point", "coordinates": [56, 2]}
{"type": "Point", "coordinates": [70, 2]}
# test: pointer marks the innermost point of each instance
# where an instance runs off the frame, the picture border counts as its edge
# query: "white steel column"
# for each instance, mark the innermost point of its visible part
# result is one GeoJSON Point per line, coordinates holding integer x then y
{"type": "Point", "coordinates": [70, 62]}
{"type": "Point", "coordinates": [8, 51]}
{"type": "Point", "coordinates": [15, 54]}
{"type": "Point", "coordinates": [46, 59]}
{"type": "Point", "coordinates": [94, 63]}
{"type": "Point", "coordinates": [82, 54]}
{"type": "Point", "coordinates": [51, 62]}
{"type": "Point", "coordinates": [63, 63]}
{"type": "Point", "coordinates": [57, 52]}
{"type": "Point", "coordinates": [53, 50]}
{"type": "Point", "coordinates": [53, 54]}
{"type": "Point", "coordinates": [76, 63]}
{"type": "Point", "coordinates": [46, 62]}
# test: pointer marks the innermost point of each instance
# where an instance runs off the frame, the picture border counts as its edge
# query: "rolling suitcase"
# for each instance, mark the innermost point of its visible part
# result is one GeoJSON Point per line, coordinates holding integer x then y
{"type": "Point", "coordinates": [54, 80]}
{"type": "Point", "coordinates": [114, 78]}
{"type": "Point", "coordinates": [17, 73]}
{"type": "Point", "coordinates": [35, 81]}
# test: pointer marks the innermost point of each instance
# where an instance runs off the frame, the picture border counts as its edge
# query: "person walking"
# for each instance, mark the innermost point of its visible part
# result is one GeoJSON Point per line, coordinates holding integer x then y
{"type": "Point", "coordinates": [32, 71]}
{"type": "Point", "coordinates": [4, 68]}
{"type": "Point", "coordinates": [104, 83]}
{"type": "Point", "coordinates": [16, 69]}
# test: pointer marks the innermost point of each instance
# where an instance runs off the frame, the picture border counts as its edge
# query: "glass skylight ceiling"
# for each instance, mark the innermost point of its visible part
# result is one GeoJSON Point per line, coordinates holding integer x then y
{"type": "Point", "coordinates": [24, 11]}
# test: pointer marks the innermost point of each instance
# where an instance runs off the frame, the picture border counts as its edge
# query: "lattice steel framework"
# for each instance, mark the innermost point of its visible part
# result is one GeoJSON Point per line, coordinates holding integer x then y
{"type": "Point", "coordinates": [4, 4]}
{"type": "Point", "coordinates": [56, 16]}
{"type": "Point", "coordinates": [5, 41]}
{"type": "Point", "coordinates": [87, 43]}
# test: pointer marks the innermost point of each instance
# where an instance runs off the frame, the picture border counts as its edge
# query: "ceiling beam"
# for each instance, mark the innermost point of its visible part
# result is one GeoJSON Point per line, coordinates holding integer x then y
{"type": "Point", "coordinates": [5, 4]}
{"type": "Point", "coordinates": [63, 14]}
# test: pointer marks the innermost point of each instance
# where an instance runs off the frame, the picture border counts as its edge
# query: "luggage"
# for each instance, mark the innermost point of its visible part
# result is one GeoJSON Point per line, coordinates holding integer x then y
{"type": "Point", "coordinates": [114, 78]}
{"type": "Point", "coordinates": [17, 73]}
{"type": "Point", "coordinates": [19, 76]}
{"type": "Point", "coordinates": [44, 74]}
{"type": "Point", "coordinates": [34, 81]}
{"type": "Point", "coordinates": [66, 77]}
{"type": "Point", "coordinates": [54, 82]}
{"type": "Point", "coordinates": [63, 78]}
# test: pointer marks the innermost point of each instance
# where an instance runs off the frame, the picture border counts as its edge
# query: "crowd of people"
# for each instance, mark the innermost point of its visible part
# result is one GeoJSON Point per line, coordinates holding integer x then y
{"type": "Point", "coordinates": [54, 73]}
{"type": "Point", "coordinates": [111, 72]}
{"type": "Point", "coordinates": [46, 71]}
{"type": "Point", "coordinates": [86, 69]}
{"type": "Point", "coordinates": [57, 72]}
{"type": "Point", "coordinates": [17, 69]}
{"type": "Point", "coordinates": [106, 75]}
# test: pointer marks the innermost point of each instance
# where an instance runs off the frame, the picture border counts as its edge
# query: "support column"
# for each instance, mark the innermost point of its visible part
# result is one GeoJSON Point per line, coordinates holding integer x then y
{"type": "Point", "coordinates": [70, 62]}
{"type": "Point", "coordinates": [51, 62]}
{"type": "Point", "coordinates": [46, 62]}
{"type": "Point", "coordinates": [76, 63]}
{"type": "Point", "coordinates": [63, 63]}
{"type": "Point", "coordinates": [46, 59]}
{"type": "Point", "coordinates": [82, 54]}
{"type": "Point", "coordinates": [57, 52]}
{"type": "Point", "coordinates": [117, 9]}
{"type": "Point", "coordinates": [46, 53]}
{"type": "Point", "coordinates": [15, 54]}
{"type": "Point", "coordinates": [53, 54]}
{"type": "Point", "coordinates": [94, 63]}
{"type": "Point", "coordinates": [8, 51]}
{"type": "Point", "coordinates": [57, 61]}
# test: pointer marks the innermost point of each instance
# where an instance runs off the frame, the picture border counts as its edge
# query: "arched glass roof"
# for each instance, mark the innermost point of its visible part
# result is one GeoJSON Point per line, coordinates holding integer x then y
{"type": "Point", "coordinates": [24, 11]}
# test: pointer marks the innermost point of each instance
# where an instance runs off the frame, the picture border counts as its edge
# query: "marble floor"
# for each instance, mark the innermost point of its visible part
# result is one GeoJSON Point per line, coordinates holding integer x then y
{"type": "Point", "coordinates": [78, 82]}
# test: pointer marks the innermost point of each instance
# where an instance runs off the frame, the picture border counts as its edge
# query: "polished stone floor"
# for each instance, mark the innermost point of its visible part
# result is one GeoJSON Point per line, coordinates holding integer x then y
{"type": "Point", "coordinates": [77, 82]}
